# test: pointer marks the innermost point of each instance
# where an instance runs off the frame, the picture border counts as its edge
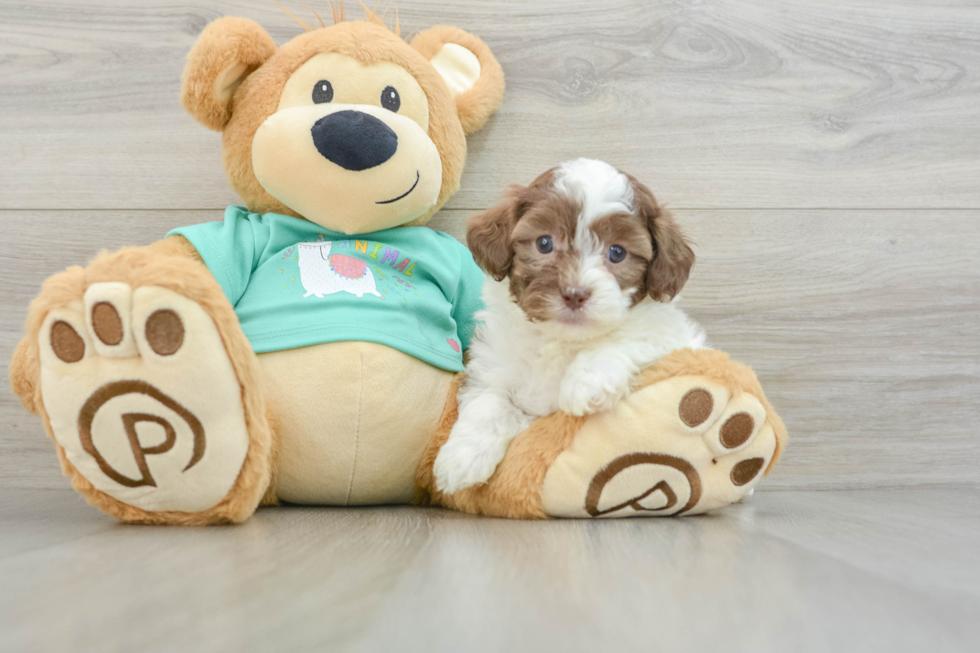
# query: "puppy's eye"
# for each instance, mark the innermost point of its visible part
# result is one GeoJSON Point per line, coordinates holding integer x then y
{"type": "Point", "coordinates": [616, 254]}
{"type": "Point", "coordinates": [390, 99]}
{"type": "Point", "coordinates": [322, 92]}
{"type": "Point", "coordinates": [546, 244]}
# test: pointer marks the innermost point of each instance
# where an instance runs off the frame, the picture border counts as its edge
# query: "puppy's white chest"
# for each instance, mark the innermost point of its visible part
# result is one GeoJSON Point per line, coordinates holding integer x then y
{"type": "Point", "coordinates": [537, 390]}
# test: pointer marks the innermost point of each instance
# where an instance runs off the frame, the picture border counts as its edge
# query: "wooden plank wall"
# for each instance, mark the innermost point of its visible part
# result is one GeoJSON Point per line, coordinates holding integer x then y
{"type": "Point", "coordinates": [824, 156]}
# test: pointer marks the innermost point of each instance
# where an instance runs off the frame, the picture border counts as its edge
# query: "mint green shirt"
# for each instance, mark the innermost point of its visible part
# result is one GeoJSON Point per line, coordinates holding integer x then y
{"type": "Point", "coordinates": [295, 284]}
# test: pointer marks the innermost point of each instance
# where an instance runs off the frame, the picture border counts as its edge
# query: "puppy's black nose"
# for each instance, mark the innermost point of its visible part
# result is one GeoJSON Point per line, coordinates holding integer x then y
{"type": "Point", "coordinates": [575, 298]}
{"type": "Point", "coordinates": [354, 140]}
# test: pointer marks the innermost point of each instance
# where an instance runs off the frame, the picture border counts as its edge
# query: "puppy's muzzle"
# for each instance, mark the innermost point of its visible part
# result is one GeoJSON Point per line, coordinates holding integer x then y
{"type": "Point", "coordinates": [354, 140]}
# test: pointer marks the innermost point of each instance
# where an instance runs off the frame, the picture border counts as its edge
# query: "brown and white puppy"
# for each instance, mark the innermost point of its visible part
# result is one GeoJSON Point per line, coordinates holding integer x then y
{"type": "Point", "coordinates": [584, 267]}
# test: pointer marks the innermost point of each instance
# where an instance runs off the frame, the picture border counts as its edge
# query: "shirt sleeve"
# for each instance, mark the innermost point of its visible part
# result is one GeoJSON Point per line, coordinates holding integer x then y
{"type": "Point", "coordinates": [229, 249]}
{"type": "Point", "coordinates": [468, 296]}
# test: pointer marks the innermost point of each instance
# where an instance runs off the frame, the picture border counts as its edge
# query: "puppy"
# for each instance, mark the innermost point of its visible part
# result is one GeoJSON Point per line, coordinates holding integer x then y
{"type": "Point", "coordinates": [584, 268]}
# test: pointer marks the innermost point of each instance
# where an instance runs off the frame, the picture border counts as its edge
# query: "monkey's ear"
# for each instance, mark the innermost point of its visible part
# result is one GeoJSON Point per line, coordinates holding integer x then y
{"type": "Point", "coordinates": [466, 64]}
{"type": "Point", "coordinates": [226, 52]}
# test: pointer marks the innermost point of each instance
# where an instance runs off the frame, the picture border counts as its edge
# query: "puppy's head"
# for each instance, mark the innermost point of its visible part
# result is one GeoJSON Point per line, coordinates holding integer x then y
{"type": "Point", "coordinates": [582, 245]}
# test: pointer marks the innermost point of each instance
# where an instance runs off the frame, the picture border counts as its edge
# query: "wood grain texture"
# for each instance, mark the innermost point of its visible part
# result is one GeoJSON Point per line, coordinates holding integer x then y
{"type": "Point", "coordinates": [882, 570]}
{"type": "Point", "coordinates": [864, 327]}
{"type": "Point", "coordinates": [718, 103]}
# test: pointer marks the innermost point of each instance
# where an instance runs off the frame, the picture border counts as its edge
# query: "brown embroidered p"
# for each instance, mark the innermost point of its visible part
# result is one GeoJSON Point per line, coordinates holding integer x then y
{"type": "Point", "coordinates": [609, 472]}
{"type": "Point", "coordinates": [116, 389]}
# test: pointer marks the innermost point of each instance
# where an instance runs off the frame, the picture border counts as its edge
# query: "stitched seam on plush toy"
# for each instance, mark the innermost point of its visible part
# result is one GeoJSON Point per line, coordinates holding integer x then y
{"type": "Point", "coordinates": [357, 433]}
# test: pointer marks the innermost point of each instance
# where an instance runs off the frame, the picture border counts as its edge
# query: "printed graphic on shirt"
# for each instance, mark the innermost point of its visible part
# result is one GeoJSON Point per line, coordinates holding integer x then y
{"type": "Point", "coordinates": [358, 267]}
{"type": "Point", "coordinates": [323, 273]}
{"type": "Point", "coordinates": [328, 267]}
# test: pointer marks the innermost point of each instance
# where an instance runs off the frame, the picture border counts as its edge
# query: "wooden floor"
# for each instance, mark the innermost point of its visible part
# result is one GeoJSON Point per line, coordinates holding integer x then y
{"type": "Point", "coordinates": [825, 158]}
{"type": "Point", "coordinates": [873, 570]}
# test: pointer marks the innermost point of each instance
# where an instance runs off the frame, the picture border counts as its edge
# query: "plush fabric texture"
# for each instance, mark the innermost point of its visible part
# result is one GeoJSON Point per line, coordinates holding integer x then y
{"type": "Point", "coordinates": [258, 98]}
{"type": "Point", "coordinates": [354, 83]}
{"type": "Point", "coordinates": [170, 266]}
{"type": "Point", "coordinates": [459, 67]}
{"type": "Point", "coordinates": [356, 435]}
{"type": "Point", "coordinates": [233, 82]}
{"type": "Point", "coordinates": [641, 459]}
{"type": "Point", "coordinates": [370, 163]}
{"type": "Point", "coordinates": [226, 51]}
{"type": "Point", "coordinates": [348, 194]}
{"type": "Point", "coordinates": [549, 469]}
{"type": "Point", "coordinates": [155, 420]}
{"type": "Point", "coordinates": [476, 104]}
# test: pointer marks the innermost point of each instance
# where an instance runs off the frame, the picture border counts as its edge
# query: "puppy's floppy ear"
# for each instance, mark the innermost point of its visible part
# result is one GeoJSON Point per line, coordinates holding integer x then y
{"type": "Point", "coordinates": [466, 64]}
{"type": "Point", "coordinates": [488, 236]}
{"type": "Point", "coordinates": [673, 258]}
{"type": "Point", "coordinates": [226, 52]}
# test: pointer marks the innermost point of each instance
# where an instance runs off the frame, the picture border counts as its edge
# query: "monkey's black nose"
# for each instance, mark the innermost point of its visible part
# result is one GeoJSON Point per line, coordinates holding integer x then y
{"type": "Point", "coordinates": [354, 140]}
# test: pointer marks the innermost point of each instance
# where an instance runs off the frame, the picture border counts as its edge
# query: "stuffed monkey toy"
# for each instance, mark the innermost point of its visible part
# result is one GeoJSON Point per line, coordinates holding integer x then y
{"type": "Point", "coordinates": [307, 348]}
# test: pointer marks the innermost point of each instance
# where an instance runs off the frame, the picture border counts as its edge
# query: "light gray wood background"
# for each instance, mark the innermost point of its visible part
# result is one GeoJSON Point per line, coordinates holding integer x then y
{"type": "Point", "coordinates": [825, 156]}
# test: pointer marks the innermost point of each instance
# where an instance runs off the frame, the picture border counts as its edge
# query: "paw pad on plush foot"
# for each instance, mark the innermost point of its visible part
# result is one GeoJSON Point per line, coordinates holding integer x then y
{"type": "Point", "coordinates": [681, 446]}
{"type": "Point", "coordinates": [142, 396]}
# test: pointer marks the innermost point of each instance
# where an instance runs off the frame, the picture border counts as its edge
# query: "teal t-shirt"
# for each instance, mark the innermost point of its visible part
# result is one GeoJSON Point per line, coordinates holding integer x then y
{"type": "Point", "coordinates": [294, 284]}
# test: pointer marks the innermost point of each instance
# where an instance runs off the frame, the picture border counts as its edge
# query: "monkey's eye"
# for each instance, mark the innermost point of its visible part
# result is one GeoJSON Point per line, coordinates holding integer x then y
{"type": "Point", "coordinates": [545, 244]}
{"type": "Point", "coordinates": [390, 99]}
{"type": "Point", "coordinates": [322, 92]}
{"type": "Point", "coordinates": [616, 254]}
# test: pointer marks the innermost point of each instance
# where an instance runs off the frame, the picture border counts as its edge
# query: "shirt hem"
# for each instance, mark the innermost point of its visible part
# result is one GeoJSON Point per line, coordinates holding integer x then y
{"type": "Point", "coordinates": [308, 338]}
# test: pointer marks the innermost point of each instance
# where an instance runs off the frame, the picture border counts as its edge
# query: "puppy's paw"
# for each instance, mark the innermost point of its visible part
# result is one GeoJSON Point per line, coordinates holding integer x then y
{"type": "Point", "coordinates": [586, 392]}
{"type": "Point", "coordinates": [467, 461]}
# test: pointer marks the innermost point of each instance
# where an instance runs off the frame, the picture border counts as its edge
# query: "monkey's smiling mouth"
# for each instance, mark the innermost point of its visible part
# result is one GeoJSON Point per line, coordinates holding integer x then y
{"type": "Point", "coordinates": [405, 194]}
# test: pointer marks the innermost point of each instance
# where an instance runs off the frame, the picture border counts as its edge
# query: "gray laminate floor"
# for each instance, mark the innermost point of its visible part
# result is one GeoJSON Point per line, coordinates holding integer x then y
{"type": "Point", "coordinates": [890, 570]}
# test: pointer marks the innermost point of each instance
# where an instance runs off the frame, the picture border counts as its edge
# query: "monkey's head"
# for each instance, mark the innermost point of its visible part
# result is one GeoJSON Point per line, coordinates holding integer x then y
{"type": "Point", "coordinates": [347, 126]}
